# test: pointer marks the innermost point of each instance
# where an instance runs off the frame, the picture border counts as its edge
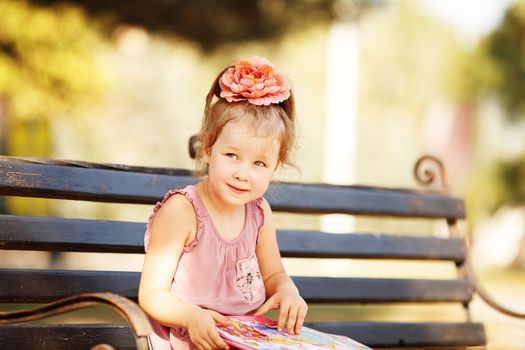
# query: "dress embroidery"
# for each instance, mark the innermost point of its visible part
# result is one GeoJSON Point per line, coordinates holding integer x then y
{"type": "Point", "coordinates": [249, 279]}
{"type": "Point", "coordinates": [181, 333]}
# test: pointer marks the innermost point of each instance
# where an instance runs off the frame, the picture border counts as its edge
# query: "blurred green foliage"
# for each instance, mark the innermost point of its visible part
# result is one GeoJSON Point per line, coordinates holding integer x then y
{"type": "Point", "coordinates": [495, 71]}
{"type": "Point", "coordinates": [211, 24]}
{"type": "Point", "coordinates": [506, 48]}
{"type": "Point", "coordinates": [46, 61]}
{"type": "Point", "coordinates": [496, 67]}
{"type": "Point", "coordinates": [511, 178]}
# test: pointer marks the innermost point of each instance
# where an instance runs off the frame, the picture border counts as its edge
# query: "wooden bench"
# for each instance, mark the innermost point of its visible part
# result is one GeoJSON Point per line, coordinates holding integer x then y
{"type": "Point", "coordinates": [138, 185]}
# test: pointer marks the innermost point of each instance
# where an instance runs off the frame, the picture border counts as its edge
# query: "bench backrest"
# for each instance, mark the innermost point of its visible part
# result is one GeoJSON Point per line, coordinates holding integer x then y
{"type": "Point", "coordinates": [119, 184]}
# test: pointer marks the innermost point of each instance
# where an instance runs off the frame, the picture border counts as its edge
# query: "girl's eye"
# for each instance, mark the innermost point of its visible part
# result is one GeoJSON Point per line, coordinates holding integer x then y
{"type": "Point", "coordinates": [231, 155]}
{"type": "Point", "coordinates": [259, 163]}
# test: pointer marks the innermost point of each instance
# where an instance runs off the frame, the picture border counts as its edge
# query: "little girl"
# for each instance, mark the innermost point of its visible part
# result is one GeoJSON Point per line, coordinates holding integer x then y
{"type": "Point", "coordinates": [211, 249]}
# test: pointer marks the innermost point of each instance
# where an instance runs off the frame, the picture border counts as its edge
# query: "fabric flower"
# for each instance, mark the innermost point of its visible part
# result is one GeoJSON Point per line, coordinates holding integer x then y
{"type": "Point", "coordinates": [255, 80]}
{"type": "Point", "coordinates": [249, 280]}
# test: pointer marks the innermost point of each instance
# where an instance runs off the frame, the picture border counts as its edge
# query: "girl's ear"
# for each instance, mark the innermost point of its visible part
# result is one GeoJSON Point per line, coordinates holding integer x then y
{"type": "Point", "coordinates": [206, 153]}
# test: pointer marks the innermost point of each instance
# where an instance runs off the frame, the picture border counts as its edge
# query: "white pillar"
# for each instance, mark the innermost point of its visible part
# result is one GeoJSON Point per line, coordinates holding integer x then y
{"type": "Point", "coordinates": [341, 115]}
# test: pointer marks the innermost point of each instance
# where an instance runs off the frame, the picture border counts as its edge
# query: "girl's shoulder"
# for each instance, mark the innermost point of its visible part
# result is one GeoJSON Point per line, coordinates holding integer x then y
{"type": "Point", "coordinates": [172, 217]}
{"type": "Point", "coordinates": [178, 203]}
{"type": "Point", "coordinates": [176, 207]}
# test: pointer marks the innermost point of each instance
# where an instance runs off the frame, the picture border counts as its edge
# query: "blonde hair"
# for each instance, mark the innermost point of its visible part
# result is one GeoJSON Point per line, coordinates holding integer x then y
{"type": "Point", "coordinates": [274, 119]}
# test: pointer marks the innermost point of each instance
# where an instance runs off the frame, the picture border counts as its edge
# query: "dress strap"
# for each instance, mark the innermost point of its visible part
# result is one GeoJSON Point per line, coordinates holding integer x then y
{"type": "Point", "coordinates": [258, 213]}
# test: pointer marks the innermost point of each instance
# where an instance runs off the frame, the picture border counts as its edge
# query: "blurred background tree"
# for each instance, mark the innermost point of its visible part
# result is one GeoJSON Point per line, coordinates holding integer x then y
{"type": "Point", "coordinates": [46, 68]}
{"type": "Point", "coordinates": [495, 71]}
{"type": "Point", "coordinates": [505, 48]}
{"type": "Point", "coordinates": [211, 24]}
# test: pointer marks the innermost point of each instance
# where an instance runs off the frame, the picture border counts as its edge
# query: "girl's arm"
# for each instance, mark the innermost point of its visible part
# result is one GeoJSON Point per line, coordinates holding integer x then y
{"type": "Point", "coordinates": [173, 226]}
{"type": "Point", "coordinates": [281, 291]}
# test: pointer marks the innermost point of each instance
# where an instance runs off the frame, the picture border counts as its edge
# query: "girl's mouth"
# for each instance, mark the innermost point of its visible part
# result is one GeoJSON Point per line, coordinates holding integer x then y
{"type": "Point", "coordinates": [237, 190]}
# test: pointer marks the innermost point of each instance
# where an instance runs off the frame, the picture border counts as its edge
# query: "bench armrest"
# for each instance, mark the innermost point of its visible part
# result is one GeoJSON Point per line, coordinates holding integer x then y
{"type": "Point", "coordinates": [131, 312]}
{"type": "Point", "coordinates": [430, 171]}
{"type": "Point", "coordinates": [485, 296]}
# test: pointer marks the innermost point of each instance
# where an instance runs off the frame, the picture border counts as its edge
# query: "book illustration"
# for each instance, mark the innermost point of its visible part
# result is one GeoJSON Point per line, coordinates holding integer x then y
{"type": "Point", "coordinates": [254, 332]}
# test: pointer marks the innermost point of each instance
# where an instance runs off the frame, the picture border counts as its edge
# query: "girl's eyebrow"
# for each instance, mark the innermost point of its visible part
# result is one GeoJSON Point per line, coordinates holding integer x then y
{"type": "Point", "coordinates": [230, 146]}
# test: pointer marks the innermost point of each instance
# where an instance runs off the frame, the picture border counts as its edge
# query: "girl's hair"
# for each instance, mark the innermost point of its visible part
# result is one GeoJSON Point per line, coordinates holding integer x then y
{"type": "Point", "coordinates": [273, 119]}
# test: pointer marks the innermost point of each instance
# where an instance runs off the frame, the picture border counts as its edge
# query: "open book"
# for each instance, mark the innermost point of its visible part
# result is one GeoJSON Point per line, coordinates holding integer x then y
{"type": "Point", "coordinates": [255, 332]}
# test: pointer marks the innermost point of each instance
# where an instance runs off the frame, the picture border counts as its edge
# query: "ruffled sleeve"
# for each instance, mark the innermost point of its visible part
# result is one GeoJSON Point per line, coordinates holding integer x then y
{"type": "Point", "coordinates": [188, 192]}
{"type": "Point", "coordinates": [259, 215]}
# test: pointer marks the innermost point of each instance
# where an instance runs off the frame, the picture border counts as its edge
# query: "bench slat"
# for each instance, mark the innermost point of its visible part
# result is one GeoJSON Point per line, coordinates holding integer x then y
{"type": "Point", "coordinates": [65, 182]}
{"type": "Point", "coordinates": [35, 286]}
{"type": "Point", "coordinates": [54, 181]}
{"type": "Point", "coordinates": [326, 199]}
{"type": "Point", "coordinates": [71, 235]}
{"type": "Point", "coordinates": [58, 234]}
{"type": "Point", "coordinates": [65, 336]}
{"type": "Point", "coordinates": [385, 334]}
{"type": "Point", "coordinates": [313, 244]}
{"type": "Point", "coordinates": [377, 290]}
{"type": "Point", "coordinates": [374, 334]}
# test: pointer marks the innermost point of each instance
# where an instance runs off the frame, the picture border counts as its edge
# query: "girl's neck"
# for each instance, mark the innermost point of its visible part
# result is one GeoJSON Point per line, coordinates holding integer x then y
{"type": "Point", "coordinates": [228, 221]}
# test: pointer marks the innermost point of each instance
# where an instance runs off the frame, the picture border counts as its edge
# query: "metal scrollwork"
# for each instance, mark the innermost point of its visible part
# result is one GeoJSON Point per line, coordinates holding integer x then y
{"type": "Point", "coordinates": [429, 170]}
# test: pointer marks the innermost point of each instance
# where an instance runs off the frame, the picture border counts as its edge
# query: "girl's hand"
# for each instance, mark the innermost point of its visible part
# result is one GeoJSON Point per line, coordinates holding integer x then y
{"type": "Point", "coordinates": [291, 306]}
{"type": "Point", "coordinates": [201, 327]}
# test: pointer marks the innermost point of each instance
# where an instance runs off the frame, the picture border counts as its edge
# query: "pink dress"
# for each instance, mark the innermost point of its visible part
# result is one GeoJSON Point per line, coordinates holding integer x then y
{"type": "Point", "coordinates": [213, 272]}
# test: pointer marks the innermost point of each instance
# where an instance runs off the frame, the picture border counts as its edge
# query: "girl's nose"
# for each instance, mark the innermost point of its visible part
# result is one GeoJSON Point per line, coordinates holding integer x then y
{"type": "Point", "coordinates": [240, 174]}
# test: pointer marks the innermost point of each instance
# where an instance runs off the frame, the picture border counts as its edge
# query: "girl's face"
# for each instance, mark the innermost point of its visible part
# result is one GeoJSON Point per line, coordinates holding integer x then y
{"type": "Point", "coordinates": [241, 164]}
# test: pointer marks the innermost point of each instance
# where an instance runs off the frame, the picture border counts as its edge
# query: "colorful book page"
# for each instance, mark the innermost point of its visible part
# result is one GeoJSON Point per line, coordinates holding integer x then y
{"type": "Point", "coordinates": [254, 332]}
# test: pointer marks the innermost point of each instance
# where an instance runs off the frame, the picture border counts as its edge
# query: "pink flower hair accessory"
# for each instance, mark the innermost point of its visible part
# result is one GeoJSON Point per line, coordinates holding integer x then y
{"type": "Point", "coordinates": [254, 80]}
